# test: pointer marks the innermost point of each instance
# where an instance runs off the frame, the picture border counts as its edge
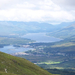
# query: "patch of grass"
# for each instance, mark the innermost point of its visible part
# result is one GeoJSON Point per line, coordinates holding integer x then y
{"type": "Point", "coordinates": [3, 73]}
{"type": "Point", "coordinates": [64, 44]}
{"type": "Point", "coordinates": [49, 62]}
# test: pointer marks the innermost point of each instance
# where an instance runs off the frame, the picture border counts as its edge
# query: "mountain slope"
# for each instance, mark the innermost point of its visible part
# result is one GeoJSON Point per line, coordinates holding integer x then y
{"type": "Point", "coordinates": [3, 73]}
{"type": "Point", "coordinates": [24, 27]}
{"type": "Point", "coordinates": [14, 27]}
{"type": "Point", "coordinates": [65, 32]}
{"type": "Point", "coordinates": [11, 65]}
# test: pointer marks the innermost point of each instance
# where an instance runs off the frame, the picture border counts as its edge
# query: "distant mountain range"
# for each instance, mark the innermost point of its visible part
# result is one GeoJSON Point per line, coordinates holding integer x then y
{"type": "Point", "coordinates": [64, 32]}
{"type": "Point", "coordinates": [14, 27]}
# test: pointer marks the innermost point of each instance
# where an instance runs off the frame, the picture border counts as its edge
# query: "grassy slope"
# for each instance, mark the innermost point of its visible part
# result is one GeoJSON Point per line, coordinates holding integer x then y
{"type": "Point", "coordinates": [3, 73]}
{"type": "Point", "coordinates": [18, 66]}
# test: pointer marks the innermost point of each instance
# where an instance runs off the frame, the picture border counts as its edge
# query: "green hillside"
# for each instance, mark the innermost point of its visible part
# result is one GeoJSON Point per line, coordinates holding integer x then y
{"type": "Point", "coordinates": [11, 65]}
{"type": "Point", "coordinates": [14, 40]}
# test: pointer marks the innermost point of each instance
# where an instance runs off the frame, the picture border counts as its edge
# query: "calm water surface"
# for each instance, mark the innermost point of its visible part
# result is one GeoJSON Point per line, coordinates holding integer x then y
{"type": "Point", "coordinates": [11, 49]}
{"type": "Point", "coordinates": [40, 37]}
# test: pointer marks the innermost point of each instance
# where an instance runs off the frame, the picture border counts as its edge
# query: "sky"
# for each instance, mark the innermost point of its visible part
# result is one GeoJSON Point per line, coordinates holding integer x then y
{"type": "Point", "coordinates": [49, 11]}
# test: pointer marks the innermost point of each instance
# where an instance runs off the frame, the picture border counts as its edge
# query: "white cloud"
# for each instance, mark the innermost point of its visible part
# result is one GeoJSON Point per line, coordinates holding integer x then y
{"type": "Point", "coordinates": [35, 10]}
{"type": "Point", "coordinates": [66, 4]}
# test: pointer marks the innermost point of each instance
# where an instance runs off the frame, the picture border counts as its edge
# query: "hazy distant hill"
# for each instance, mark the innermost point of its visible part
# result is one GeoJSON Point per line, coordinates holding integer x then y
{"type": "Point", "coordinates": [65, 32]}
{"type": "Point", "coordinates": [14, 27]}
{"type": "Point", "coordinates": [11, 65]}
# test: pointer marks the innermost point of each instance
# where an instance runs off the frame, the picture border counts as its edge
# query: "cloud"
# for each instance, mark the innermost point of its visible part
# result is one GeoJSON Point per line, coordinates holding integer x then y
{"type": "Point", "coordinates": [68, 4]}
{"type": "Point", "coordinates": [50, 11]}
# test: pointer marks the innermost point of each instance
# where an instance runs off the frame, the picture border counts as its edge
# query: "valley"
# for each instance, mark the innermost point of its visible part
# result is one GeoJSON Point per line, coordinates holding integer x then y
{"type": "Point", "coordinates": [37, 37]}
{"type": "Point", "coordinates": [44, 49]}
{"type": "Point", "coordinates": [56, 55]}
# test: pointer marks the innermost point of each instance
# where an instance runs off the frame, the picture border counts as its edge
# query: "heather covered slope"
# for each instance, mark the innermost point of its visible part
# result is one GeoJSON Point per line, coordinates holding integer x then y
{"type": "Point", "coordinates": [11, 65]}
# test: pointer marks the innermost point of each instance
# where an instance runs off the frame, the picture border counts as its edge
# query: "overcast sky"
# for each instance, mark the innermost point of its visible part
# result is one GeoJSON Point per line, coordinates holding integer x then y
{"type": "Point", "coordinates": [50, 11]}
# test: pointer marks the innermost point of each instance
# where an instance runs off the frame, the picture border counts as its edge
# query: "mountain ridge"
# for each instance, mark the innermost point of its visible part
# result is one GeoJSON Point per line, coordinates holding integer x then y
{"type": "Point", "coordinates": [64, 32]}
{"type": "Point", "coordinates": [16, 27]}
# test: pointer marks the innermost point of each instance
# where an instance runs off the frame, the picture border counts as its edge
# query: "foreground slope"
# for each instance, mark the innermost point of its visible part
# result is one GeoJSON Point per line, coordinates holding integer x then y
{"type": "Point", "coordinates": [11, 65]}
